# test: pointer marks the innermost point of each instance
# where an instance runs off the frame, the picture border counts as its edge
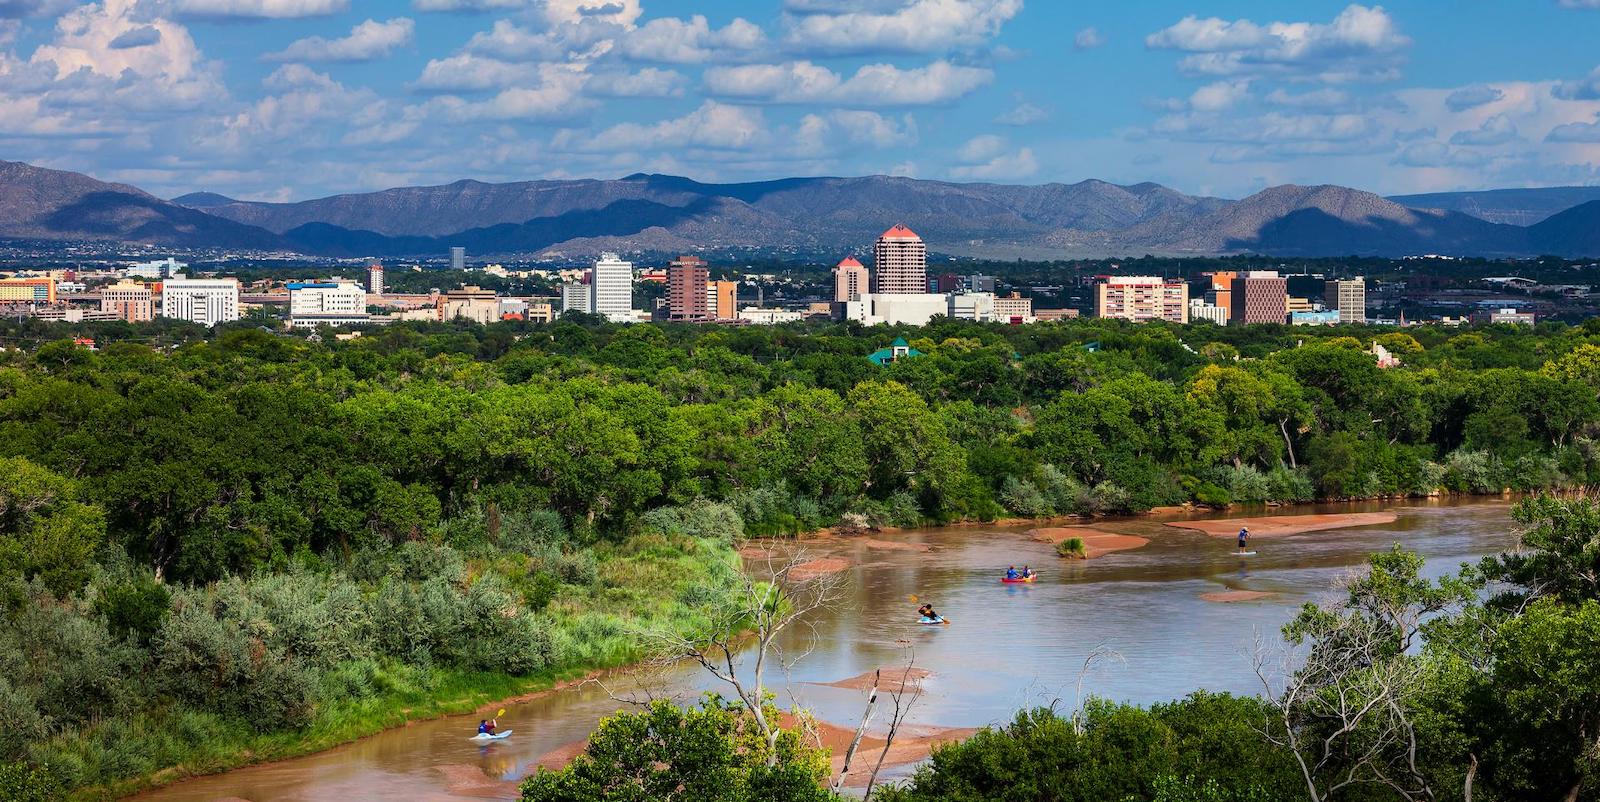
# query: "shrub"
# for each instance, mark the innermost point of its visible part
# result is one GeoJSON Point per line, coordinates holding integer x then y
{"type": "Point", "coordinates": [20, 782]}
{"type": "Point", "coordinates": [1108, 499]}
{"type": "Point", "coordinates": [1023, 498]}
{"type": "Point", "coordinates": [525, 531]}
{"type": "Point", "coordinates": [1211, 495]}
{"type": "Point", "coordinates": [1072, 547]}
{"type": "Point", "coordinates": [1290, 485]}
{"type": "Point", "coordinates": [1063, 495]}
{"type": "Point", "coordinates": [700, 518]}
{"type": "Point", "coordinates": [133, 610]}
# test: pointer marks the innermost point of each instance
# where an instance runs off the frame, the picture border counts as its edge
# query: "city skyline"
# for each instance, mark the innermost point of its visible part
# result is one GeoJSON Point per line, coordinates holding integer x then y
{"type": "Point", "coordinates": [281, 99]}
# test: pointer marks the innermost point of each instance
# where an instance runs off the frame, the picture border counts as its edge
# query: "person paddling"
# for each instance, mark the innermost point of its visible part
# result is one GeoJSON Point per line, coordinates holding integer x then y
{"type": "Point", "coordinates": [926, 611]}
{"type": "Point", "coordinates": [488, 726]}
{"type": "Point", "coordinates": [1011, 573]}
{"type": "Point", "coordinates": [1244, 535]}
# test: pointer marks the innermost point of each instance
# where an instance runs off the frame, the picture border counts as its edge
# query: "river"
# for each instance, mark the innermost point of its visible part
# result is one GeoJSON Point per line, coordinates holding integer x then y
{"type": "Point", "coordinates": [1006, 647]}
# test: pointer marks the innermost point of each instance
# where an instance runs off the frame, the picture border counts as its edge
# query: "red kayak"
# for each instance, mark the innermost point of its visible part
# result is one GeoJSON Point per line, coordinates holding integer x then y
{"type": "Point", "coordinates": [1019, 581]}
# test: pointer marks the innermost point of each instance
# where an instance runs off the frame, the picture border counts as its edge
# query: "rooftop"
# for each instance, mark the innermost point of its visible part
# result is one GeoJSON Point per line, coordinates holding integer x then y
{"type": "Point", "coordinates": [898, 231]}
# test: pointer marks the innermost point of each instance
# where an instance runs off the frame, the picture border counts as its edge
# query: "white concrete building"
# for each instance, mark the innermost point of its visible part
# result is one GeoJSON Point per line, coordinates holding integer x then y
{"type": "Point", "coordinates": [327, 303]}
{"type": "Point", "coordinates": [970, 306]}
{"type": "Point", "coordinates": [768, 317]}
{"type": "Point", "coordinates": [207, 301]}
{"type": "Point", "coordinates": [575, 297]}
{"type": "Point", "coordinates": [1200, 310]}
{"type": "Point", "coordinates": [611, 288]}
{"type": "Point", "coordinates": [1348, 297]}
{"type": "Point", "coordinates": [375, 278]}
{"type": "Point", "coordinates": [157, 270]}
{"type": "Point", "coordinates": [914, 309]}
{"type": "Point", "coordinates": [1011, 308]}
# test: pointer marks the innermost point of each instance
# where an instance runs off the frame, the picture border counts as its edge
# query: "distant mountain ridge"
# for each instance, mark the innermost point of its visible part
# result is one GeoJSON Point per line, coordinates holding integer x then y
{"type": "Point", "coordinates": [817, 216]}
{"type": "Point", "coordinates": [1518, 207]}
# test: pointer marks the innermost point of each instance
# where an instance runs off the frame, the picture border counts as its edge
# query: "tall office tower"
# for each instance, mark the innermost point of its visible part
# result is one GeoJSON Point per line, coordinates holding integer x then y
{"type": "Point", "coordinates": [458, 258]}
{"type": "Point", "coordinates": [575, 297]}
{"type": "Point", "coordinates": [1221, 292]}
{"type": "Point", "coordinates": [207, 301]}
{"type": "Point", "coordinates": [900, 262]}
{"type": "Point", "coordinates": [687, 280]}
{"type": "Point", "coordinates": [611, 288]}
{"type": "Point", "coordinates": [1141, 298]}
{"type": "Point", "coordinates": [1349, 297]}
{"type": "Point", "coordinates": [375, 278]}
{"type": "Point", "coordinates": [1260, 296]}
{"type": "Point", "coordinates": [849, 280]}
{"type": "Point", "coordinates": [722, 299]}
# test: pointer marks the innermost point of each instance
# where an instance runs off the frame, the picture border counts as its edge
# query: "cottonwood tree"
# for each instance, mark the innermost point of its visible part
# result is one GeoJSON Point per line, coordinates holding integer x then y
{"type": "Point", "coordinates": [740, 639]}
{"type": "Point", "coordinates": [1351, 713]}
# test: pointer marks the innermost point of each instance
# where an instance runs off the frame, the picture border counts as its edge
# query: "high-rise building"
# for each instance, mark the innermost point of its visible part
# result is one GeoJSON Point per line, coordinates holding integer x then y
{"type": "Point", "coordinates": [722, 300]}
{"type": "Point", "coordinates": [1220, 293]}
{"type": "Point", "coordinates": [575, 297]}
{"type": "Point", "coordinates": [1348, 297]}
{"type": "Point", "coordinates": [128, 300]}
{"type": "Point", "coordinates": [28, 290]}
{"type": "Point", "coordinates": [207, 301]}
{"type": "Point", "coordinates": [849, 280]}
{"type": "Point", "coordinates": [1142, 298]}
{"type": "Point", "coordinates": [375, 278]}
{"type": "Point", "coordinates": [1260, 296]}
{"type": "Point", "coordinates": [900, 263]}
{"type": "Point", "coordinates": [611, 288]}
{"type": "Point", "coordinates": [458, 258]}
{"type": "Point", "coordinates": [327, 303]}
{"type": "Point", "coordinates": [688, 279]}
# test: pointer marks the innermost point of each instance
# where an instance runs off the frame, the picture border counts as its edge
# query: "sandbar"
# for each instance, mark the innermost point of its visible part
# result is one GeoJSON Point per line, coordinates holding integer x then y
{"type": "Point", "coordinates": [892, 679]}
{"type": "Point", "coordinates": [1096, 542]}
{"type": "Point", "coordinates": [819, 567]}
{"type": "Point", "coordinates": [1285, 525]}
{"type": "Point", "coordinates": [1231, 596]}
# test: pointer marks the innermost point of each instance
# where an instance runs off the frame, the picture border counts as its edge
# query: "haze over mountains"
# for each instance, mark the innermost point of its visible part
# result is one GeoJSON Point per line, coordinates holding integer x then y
{"type": "Point", "coordinates": [656, 213]}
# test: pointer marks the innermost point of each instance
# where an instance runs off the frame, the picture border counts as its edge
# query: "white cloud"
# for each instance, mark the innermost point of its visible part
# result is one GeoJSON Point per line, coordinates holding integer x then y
{"type": "Point", "coordinates": [1585, 88]}
{"type": "Point", "coordinates": [871, 85]}
{"type": "Point", "coordinates": [1088, 39]}
{"type": "Point", "coordinates": [300, 100]}
{"type": "Point", "coordinates": [1497, 130]}
{"type": "Point", "coordinates": [712, 125]}
{"type": "Point", "coordinates": [1360, 43]}
{"type": "Point", "coordinates": [1023, 114]}
{"type": "Point", "coordinates": [920, 26]}
{"type": "Point", "coordinates": [1587, 133]}
{"type": "Point", "coordinates": [259, 9]}
{"type": "Point", "coordinates": [82, 67]}
{"type": "Point", "coordinates": [692, 41]}
{"type": "Point", "coordinates": [1471, 97]}
{"type": "Point", "coordinates": [1325, 98]}
{"type": "Point", "coordinates": [648, 82]}
{"type": "Point", "coordinates": [469, 6]}
{"type": "Point", "coordinates": [874, 129]}
{"type": "Point", "coordinates": [558, 96]}
{"type": "Point", "coordinates": [988, 158]}
{"type": "Point", "coordinates": [618, 12]}
{"type": "Point", "coordinates": [1219, 96]}
{"type": "Point", "coordinates": [1436, 154]}
{"type": "Point", "coordinates": [142, 36]}
{"type": "Point", "coordinates": [367, 41]}
{"type": "Point", "coordinates": [465, 72]}
{"type": "Point", "coordinates": [585, 40]}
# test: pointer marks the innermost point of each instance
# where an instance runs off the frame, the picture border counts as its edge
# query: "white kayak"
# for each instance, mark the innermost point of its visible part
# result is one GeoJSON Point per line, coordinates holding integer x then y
{"type": "Point", "coordinates": [483, 736]}
{"type": "Point", "coordinates": [931, 621]}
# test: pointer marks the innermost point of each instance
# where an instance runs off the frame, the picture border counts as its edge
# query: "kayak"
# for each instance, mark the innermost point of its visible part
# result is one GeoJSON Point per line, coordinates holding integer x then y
{"type": "Point", "coordinates": [483, 736]}
{"type": "Point", "coordinates": [1018, 581]}
{"type": "Point", "coordinates": [939, 620]}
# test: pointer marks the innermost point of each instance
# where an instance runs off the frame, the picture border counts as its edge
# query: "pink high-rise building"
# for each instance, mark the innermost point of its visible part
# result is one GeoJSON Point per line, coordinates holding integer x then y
{"type": "Point", "coordinates": [900, 262]}
{"type": "Point", "coordinates": [849, 280]}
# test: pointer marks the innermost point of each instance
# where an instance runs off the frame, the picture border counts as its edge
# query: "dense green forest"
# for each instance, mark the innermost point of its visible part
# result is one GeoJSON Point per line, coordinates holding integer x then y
{"type": "Point", "coordinates": [222, 546]}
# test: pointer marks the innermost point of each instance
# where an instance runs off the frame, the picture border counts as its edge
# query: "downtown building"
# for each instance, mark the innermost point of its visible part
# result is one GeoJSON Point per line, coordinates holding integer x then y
{"type": "Point", "coordinates": [611, 288]}
{"type": "Point", "coordinates": [849, 280]}
{"type": "Point", "coordinates": [1348, 297]}
{"type": "Point", "coordinates": [900, 263]}
{"type": "Point", "coordinates": [1260, 296]}
{"type": "Point", "coordinates": [207, 301]}
{"type": "Point", "coordinates": [1142, 298]}
{"type": "Point", "coordinates": [128, 300]}
{"type": "Point", "coordinates": [326, 303]}
{"type": "Point", "coordinates": [688, 285]}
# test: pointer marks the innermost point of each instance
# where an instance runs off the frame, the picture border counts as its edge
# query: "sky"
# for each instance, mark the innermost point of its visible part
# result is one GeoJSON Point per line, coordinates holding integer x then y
{"type": "Point", "coordinates": [294, 99]}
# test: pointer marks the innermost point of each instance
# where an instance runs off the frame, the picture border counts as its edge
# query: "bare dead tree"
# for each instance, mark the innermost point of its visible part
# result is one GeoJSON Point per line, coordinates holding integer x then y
{"type": "Point", "coordinates": [1101, 653]}
{"type": "Point", "coordinates": [861, 730]}
{"type": "Point", "coordinates": [905, 695]}
{"type": "Point", "coordinates": [740, 641]}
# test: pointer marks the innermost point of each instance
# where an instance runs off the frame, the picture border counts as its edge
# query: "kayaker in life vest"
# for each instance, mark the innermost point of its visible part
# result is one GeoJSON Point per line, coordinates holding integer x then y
{"type": "Point", "coordinates": [1011, 573]}
{"type": "Point", "coordinates": [926, 611]}
{"type": "Point", "coordinates": [488, 726]}
{"type": "Point", "coordinates": [1027, 572]}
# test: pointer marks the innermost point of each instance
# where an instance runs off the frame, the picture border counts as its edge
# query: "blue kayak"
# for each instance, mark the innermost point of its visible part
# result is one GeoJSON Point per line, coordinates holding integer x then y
{"type": "Point", "coordinates": [930, 621]}
{"type": "Point", "coordinates": [483, 736]}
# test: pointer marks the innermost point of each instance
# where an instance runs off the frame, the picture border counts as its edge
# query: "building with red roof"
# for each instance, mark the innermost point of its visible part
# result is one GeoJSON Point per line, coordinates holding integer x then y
{"type": "Point", "coordinates": [849, 280]}
{"type": "Point", "coordinates": [900, 262]}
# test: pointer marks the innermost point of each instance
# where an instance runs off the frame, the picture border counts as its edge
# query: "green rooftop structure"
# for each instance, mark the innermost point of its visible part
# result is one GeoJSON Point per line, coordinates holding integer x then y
{"type": "Point", "coordinates": [897, 350]}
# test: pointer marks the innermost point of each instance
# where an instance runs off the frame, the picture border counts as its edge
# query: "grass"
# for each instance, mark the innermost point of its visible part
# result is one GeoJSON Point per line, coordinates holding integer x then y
{"type": "Point", "coordinates": [648, 582]}
{"type": "Point", "coordinates": [1072, 547]}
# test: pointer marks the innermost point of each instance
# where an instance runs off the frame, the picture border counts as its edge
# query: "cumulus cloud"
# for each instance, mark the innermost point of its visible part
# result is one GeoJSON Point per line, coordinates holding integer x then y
{"type": "Point", "coordinates": [367, 41]}
{"type": "Point", "coordinates": [258, 9]}
{"type": "Point", "coordinates": [871, 85]}
{"type": "Point", "coordinates": [165, 75]}
{"type": "Point", "coordinates": [585, 40]}
{"type": "Point", "coordinates": [466, 72]}
{"type": "Point", "coordinates": [1471, 97]}
{"type": "Point", "coordinates": [468, 6]}
{"type": "Point", "coordinates": [648, 82]}
{"type": "Point", "coordinates": [556, 95]}
{"type": "Point", "coordinates": [1585, 88]}
{"type": "Point", "coordinates": [1219, 96]}
{"type": "Point", "coordinates": [1496, 130]}
{"type": "Point", "coordinates": [1585, 133]}
{"type": "Point", "coordinates": [1436, 154]}
{"type": "Point", "coordinates": [1360, 43]}
{"type": "Point", "coordinates": [299, 99]}
{"type": "Point", "coordinates": [142, 36]}
{"type": "Point", "coordinates": [989, 158]}
{"type": "Point", "coordinates": [1023, 114]}
{"type": "Point", "coordinates": [1325, 98]}
{"type": "Point", "coordinates": [874, 129]}
{"type": "Point", "coordinates": [692, 41]}
{"type": "Point", "coordinates": [919, 26]}
{"type": "Point", "coordinates": [712, 125]}
{"type": "Point", "coordinates": [1088, 39]}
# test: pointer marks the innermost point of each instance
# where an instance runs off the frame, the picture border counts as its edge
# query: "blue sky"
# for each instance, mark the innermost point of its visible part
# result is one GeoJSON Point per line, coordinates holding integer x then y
{"type": "Point", "coordinates": [289, 99]}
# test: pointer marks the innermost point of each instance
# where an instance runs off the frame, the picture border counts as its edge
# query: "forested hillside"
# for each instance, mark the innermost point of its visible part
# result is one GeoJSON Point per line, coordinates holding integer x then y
{"type": "Point", "coordinates": [438, 514]}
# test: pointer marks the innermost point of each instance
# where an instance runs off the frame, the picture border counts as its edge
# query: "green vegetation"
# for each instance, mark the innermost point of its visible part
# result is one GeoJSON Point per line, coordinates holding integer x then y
{"type": "Point", "coordinates": [219, 547]}
{"type": "Point", "coordinates": [1072, 547]}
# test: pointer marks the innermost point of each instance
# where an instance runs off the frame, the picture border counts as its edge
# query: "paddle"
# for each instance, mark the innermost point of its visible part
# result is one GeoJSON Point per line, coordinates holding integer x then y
{"type": "Point", "coordinates": [913, 599]}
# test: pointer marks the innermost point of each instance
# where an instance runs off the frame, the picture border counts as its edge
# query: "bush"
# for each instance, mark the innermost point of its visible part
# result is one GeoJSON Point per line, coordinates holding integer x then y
{"type": "Point", "coordinates": [524, 532]}
{"type": "Point", "coordinates": [1211, 495]}
{"type": "Point", "coordinates": [1063, 494]}
{"type": "Point", "coordinates": [1072, 547]}
{"type": "Point", "coordinates": [1022, 497]}
{"type": "Point", "coordinates": [133, 610]}
{"type": "Point", "coordinates": [20, 782]}
{"type": "Point", "coordinates": [699, 518]}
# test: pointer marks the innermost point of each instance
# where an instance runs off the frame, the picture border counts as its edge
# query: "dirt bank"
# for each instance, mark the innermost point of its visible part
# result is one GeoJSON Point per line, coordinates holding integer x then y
{"type": "Point", "coordinates": [1096, 542]}
{"type": "Point", "coordinates": [1285, 525]}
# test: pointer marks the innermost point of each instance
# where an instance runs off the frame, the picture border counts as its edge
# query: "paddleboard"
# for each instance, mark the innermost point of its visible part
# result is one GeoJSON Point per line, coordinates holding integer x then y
{"type": "Point", "coordinates": [495, 737]}
{"type": "Point", "coordinates": [1244, 554]}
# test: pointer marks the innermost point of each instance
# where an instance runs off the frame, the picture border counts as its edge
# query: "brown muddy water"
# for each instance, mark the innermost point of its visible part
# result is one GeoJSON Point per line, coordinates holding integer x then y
{"type": "Point", "coordinates": [1008, 646]}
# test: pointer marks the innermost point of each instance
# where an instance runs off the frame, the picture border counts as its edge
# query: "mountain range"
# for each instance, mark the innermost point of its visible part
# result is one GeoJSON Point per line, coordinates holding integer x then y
{"type": "Point", "coordinates": [815, 216]}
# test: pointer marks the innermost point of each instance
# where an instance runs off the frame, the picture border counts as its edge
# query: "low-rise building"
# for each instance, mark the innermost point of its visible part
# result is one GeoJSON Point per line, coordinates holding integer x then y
{"type": "Point", "coordinates": [1046, 315]}
{"type": "Point", "coordinates": [970, 306]}
{"type": "Point", "coordinates": [768, 317]}
{"type": "Point", "coordinates": [156, 270]}
{"type": "Point", "coordinates": [913, 309]}
{"type": "Point", "coordinates": [472, 303]}
{"type": "Point", "coordinates": [1200, 309]}
{"type": "Point", "coordinates": [1324, 317]}
{"type": "Point", "coordinates": [207, 301]}
{"type": "Point", "coordinates": [1013, 308]}
{"type": "Point", "coordinates": [128, 300]}
{"type": "Point", "coordinates": [897, 350]}
{"type": "Point", "coordinates": [327, 303]}
{"type": "Point", "coordinates": [1142, 298]}
{"type": "Point", "coordinates": [1505, 315]}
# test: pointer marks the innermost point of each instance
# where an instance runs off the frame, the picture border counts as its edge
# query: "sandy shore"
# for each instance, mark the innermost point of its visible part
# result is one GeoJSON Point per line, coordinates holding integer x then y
{"type": "Point", "coordinates": [1285, 525]}
{"type": "Point", "coordinates": [1232, 596]}
{"type": "Point", "coordinates": [1096, 542]}
{"type": "Point", "coordinates": [819, 567]}
{"type": "Point", "coordinates": [893, 679]}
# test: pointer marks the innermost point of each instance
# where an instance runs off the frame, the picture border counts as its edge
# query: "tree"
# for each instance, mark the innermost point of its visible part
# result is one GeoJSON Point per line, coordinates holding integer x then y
{"type": "Point", "coordinates": [45, 532]}
{"type": "Point", "coordinates": [1560, 554]}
